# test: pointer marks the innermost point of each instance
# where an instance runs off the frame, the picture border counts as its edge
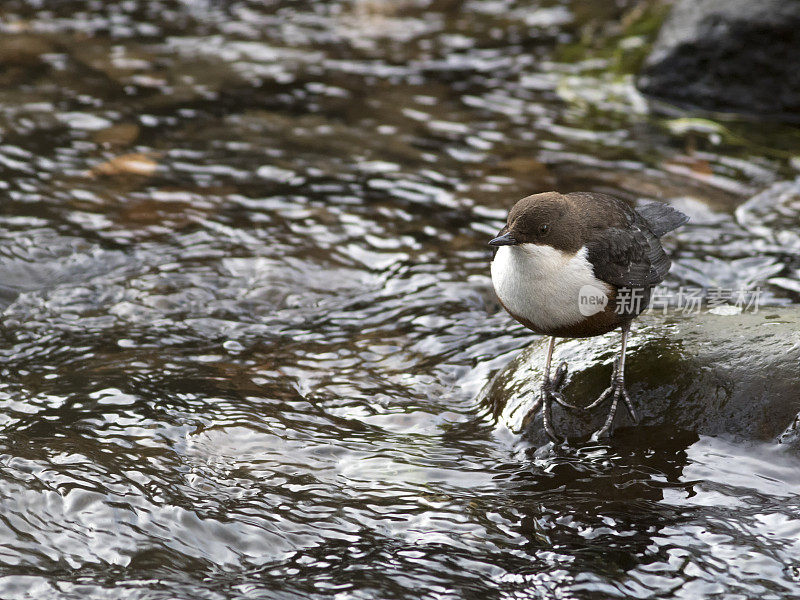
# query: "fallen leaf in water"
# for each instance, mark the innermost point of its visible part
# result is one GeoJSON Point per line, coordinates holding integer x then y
{"type": "Point", "coordinates": [127, 164]}
{"type": "Point", "coordinates": [122, 134]}
{"type": "Point", "coordinates": [695, 165]}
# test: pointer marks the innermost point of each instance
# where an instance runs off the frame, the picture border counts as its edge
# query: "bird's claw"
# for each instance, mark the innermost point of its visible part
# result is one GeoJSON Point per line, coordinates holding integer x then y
{"type": "Point", "coordinates": [615, 391]}
{"type": "Point", "coordinates": [547, 402]}
{"type": "Point", "coordinates": [551, 392]}
{"type": "Point", "coordinates": [560, 377]}
{"type": "Point", "coordinates": [559, 398]}
{"type": "Point", "coordinates": [552, 387]}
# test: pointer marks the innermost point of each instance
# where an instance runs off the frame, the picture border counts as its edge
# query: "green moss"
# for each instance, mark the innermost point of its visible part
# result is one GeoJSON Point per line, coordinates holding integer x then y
{"type": "Point", "coordinates": [623, 45]}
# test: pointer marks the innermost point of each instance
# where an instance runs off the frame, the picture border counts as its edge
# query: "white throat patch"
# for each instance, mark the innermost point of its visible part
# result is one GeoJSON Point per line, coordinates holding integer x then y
{"type": "Point", "coordinates": [543, 285]}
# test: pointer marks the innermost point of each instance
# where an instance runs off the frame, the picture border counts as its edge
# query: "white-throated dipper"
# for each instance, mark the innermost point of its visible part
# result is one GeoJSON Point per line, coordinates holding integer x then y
{"type": "Point", "coordinates": [580, 265]}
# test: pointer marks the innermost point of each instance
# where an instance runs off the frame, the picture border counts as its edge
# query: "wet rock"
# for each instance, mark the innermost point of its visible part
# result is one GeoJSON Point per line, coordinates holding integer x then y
{"type": "Point", "coordinates": [728, 55]}
{"type": "Point", "coordinates": [736, 376]}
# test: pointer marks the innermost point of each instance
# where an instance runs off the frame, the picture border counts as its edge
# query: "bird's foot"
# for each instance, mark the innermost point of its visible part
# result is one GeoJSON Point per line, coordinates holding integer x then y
{"type": "Point", "coordinates": [614, 392]}
{"type": "Point", "coordinates": [551, 392]}
{"type": "Point", "coordinates": [552, 387]}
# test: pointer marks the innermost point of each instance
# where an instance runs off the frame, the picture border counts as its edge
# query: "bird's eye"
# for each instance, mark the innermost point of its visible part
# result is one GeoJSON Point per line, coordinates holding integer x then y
{"type": "Point", "coordinates": [544, 229]}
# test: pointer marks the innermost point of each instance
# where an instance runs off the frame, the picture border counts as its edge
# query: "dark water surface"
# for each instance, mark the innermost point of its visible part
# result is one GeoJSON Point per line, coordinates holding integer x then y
{"type": "Point", "coordinates": [248, 309]}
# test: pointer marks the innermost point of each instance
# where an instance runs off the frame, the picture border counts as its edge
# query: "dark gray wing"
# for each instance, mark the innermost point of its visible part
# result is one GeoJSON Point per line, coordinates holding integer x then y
{"type": "Point", "coordinates": [629, 257]}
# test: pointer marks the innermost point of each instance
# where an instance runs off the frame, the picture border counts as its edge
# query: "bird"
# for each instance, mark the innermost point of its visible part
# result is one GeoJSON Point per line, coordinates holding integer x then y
{"type": "Point", "coordinates": [578, 265]}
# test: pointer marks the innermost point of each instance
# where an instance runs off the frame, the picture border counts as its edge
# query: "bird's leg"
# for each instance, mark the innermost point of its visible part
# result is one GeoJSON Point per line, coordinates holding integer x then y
{"type": "Point", "coordinates": [616, 390]}
{"type": "Point", "coordinates": [550, 391]}
{"type": "Point", "coordinates": [546, 398]}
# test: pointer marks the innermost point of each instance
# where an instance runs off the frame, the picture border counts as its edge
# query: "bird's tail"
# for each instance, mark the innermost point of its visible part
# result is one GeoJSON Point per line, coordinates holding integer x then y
{"type": "Point", "coordinates": [662, 218]}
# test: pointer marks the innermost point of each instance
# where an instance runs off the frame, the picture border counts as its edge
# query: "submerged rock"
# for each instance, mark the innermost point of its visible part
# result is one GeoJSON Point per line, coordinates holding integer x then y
{"type": "Point", "coordinates": [728, 55]}
{"type": "Point", "coordinates": [731, 375]}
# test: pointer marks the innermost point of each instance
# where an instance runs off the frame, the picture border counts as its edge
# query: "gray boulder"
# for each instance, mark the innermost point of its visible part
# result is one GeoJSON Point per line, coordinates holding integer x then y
{"type": "Point", "coordinates": [728, 55]}
{"type": "Point", "coordinates": [736, 376]}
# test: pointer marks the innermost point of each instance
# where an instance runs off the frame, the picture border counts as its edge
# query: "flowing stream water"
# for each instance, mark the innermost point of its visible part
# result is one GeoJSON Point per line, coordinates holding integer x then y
{"type": "Point", "coordinates": [248, 311]}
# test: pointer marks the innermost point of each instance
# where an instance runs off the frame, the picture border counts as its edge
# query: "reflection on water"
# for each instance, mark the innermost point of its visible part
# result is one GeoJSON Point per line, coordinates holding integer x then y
{"type": "Point", "coordinates": [248, 309]}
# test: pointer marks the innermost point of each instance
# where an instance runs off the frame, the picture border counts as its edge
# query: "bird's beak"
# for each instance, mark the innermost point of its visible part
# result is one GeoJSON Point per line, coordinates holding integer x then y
{"type": "Point", "coordinates": [503, 240]}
